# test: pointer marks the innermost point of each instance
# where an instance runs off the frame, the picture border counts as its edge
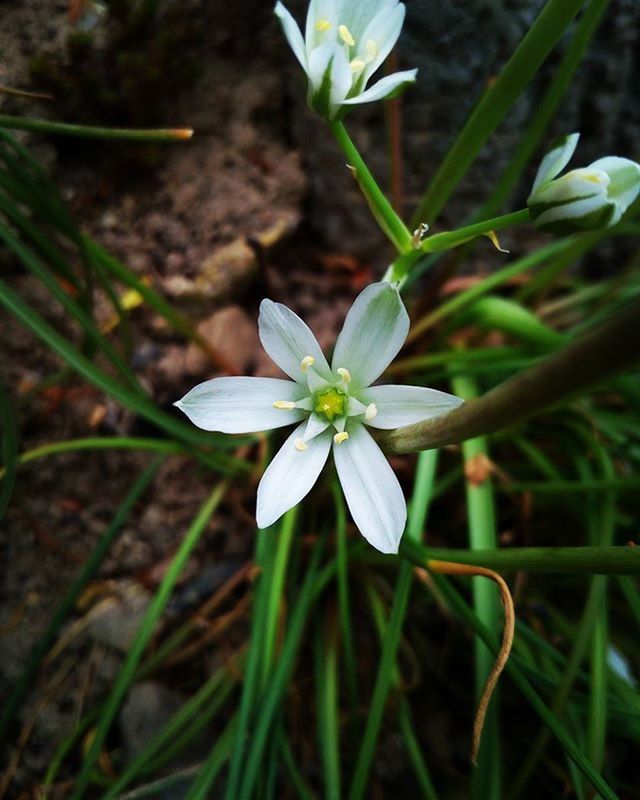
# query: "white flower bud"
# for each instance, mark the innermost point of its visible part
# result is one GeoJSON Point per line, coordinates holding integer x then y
{"type": "Point", "coordinates": [586, 199]}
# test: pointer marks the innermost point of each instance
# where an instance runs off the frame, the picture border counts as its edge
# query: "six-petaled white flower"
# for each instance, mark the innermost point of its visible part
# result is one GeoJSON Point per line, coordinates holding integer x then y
{"type": "Point", "coordinates": [333, 405]}
{"type": "Point", "coordinates": [344, 44]}
{"type": "Point", "coordinates": [586, 199]}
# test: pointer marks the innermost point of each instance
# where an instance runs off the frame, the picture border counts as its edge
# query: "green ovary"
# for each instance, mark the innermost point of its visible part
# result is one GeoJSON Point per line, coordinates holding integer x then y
{"type": "Point", "coordinates": [330, 404]}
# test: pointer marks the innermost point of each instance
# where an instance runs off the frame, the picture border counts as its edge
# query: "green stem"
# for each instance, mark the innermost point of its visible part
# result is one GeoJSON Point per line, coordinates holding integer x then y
{"type": "Point", "coordinates": [585, 560]}
{"type": "Point", "coordinates": [92, 132]}
{"type": "Point", "coordinates": [603, 352]}
{"type": "Point", "coordinates": [400, 268]}
{"type": "Point", "coordinates": [381, 208]}
{"type": "Point", "coordinates": [451, 239]}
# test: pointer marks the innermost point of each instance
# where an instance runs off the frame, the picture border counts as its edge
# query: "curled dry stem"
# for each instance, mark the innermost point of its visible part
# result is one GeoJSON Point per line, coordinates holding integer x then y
{"type": "Point", "coordinates": [452, 568]}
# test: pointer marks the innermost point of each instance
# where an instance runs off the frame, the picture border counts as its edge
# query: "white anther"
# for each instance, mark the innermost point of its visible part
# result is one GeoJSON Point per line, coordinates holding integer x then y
{"type": "Point", "coordinates": [300, 445]}
{"type": "Point", "coordinates": [371, 412]}
{"type": "Point", "coordinates": [357, 65]}
{"type": "Point", "coordinates": [346, 36]}
{"type": "Point", "coordinates": [372, 50]}
{"type": "Point", "coordinates": [341, 437]}
{"type": "Point", "coordinates": [284, 405]}
{"type": "Point", "coordinates": [307, 361]}
{"type": "Point", "coordinates": [323, 25]}
{"type": "Point", "coordinates": [344, 374]}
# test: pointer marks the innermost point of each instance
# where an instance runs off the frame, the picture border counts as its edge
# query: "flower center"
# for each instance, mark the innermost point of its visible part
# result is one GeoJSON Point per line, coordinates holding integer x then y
{"type": "Point", "coordinates": [330, 404]}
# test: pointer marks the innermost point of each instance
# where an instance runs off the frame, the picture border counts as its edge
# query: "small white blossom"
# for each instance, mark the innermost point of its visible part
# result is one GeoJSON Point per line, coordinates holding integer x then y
{"type": "Point", "coordinates": [586, 199]}
{"type": "Point", "coordinates": [333, 405]}
{"type": "Point", "coordinates": [344, 44]}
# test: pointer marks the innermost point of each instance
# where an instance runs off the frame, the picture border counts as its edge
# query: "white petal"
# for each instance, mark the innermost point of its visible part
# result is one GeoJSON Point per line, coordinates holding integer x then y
{"type": "Point", "coordinates": [242, 405]}
{"type": "Point", "coordinates": [341, 78]}
{"type": "Point", "coordinates": [318, 63]}
{"type": "Point", "coordinates": [287, 340]}
{"type": "Point", "coordinates": [325, 10]}
{"type": "Point", "coordinates": [358, 15]}
{"type": "Point", "coordinates": [384, 30]}
{"type": "Point", "coordinates": [384, 87]}
{"type": "Point", "coordinates": [373, 332]}
{"type": "Point", "coordinates": [556, 159]}
{"type": "Point", "coordinates": [290, 476]}
{"type": "Point", "coordinates": [292, 32]}
{"type": "Point", "coordinates": [578, 214]}
{"type": "Point", "coordinates": [371, 489]}
{"type": "Point", "coordinates": [625, 179]}
{"type": "Point", "coordinates": [404, 405]}
{"type": "Point", "coordinates": [572, 186]}
{"type": "Point", "coordinates": [315, 425]}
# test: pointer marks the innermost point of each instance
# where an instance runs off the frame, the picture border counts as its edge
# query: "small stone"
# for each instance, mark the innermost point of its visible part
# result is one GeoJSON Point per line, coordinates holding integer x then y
{"type": "Point", "coordinates": [230, 332]}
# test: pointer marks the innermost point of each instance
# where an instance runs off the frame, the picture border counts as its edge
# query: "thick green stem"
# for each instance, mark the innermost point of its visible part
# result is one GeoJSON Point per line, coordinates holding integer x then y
{"type": "Point", "coordinates": [605, 351]}
{"type": "Point", "coordinates": [380, 207]}
{"type": "Point", "coordinates": [587, 560]}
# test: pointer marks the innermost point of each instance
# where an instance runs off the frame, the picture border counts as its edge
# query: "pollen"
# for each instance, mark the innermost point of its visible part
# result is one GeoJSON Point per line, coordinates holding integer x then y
{"type": "Point", "coordinates": [339, 438]}
{"type": "Point", "coordinates": [371, 412]}
{"type": "Point", "coordinates": [357, 65]}
{"type": "Point", "coordinates": [344, 374]}
{"type": "Point", "coordinates": [284, 405]}
{"type": "Point", "coordinates": [307, 361]}
{"type": "Point", "coordinates": [323, 25]}
{"type": "Point", "coordinates": [346, 36]}
{"type": "Point", "coordinates": [300, 445]}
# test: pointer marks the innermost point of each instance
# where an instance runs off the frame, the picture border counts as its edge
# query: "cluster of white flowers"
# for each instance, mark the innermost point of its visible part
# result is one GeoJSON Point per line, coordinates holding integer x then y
{"type": "Point", "coordinates": [344, 44]}
{"type": "Point", "coordinates": [333, 405]}
{"type": "Point", "coordinates": [586, 199]}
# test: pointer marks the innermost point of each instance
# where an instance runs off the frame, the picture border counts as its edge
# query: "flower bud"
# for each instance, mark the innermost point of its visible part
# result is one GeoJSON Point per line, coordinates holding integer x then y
{"type": "Point", "coordinates": [587, 199]}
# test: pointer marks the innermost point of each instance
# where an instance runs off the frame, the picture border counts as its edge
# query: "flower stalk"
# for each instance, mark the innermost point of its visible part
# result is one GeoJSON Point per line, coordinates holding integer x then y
{"type": "Point", "coordinates": [609, 349]}
{"type": "Point", "coordinates": [381, 208]}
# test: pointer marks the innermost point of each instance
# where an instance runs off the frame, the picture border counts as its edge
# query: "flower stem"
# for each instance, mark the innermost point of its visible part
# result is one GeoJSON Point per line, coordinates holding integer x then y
{"type": "Point", "coordinates": [380, 207]}
{"type": "Point", "coordinates": [447, 240]}
{"type": "Point", "coordinates": [451, 239]}
{"type": "Point", "coordinates": [597, 560]}
{"type": "Point", "coordinates": [608, 349]}
{"type": "Point", "coordinates": [92, 132]}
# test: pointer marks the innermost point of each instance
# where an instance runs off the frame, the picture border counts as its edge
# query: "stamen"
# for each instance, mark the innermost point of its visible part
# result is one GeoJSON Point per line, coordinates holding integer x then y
{"type": "Point", "coordinates": [357, 65]}
{"type": "Point", "coordinates": [346, 36]}
{"type": "Point", "coordinates": [323, 25]}
{"type": "Point", "coordinates": [372, 50]}
{"type": "Point", "coordinates": [307, 361]}
{"type": "Point", "coordinates": [300, 445]}
{"type": "Point", "coordinates": [284, 405]}
{"type": "Point", "coordinates": [341, 437]}
{"type": "Point", "coordinates": [344, 374]}
{"type": "Point", "coordinates": [371, 412]}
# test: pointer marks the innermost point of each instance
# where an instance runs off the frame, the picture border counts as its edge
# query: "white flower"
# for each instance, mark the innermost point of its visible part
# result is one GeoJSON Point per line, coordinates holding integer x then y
{"type": "Point", "coordinates": [332, 406]}
{"type": "Point", "coordinates": [587, 199]}
{"type": "Point", "coordinates": [345, 42]}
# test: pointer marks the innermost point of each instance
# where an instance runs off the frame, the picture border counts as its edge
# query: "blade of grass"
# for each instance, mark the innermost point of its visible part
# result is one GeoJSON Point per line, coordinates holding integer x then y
{"type": "Point", "coordinates": [460, 606]}
{"type": "Point", "coordinates": [486, 779]}
{"type": "Point", "coordinates": [546, 107]}
{"type": "Point", "coordinates": [535, 47]}
{"type": "Point", "coordinates": [147, 627]}
{"type": "Point", "coordinates": [98, 443]}
{"type": "Point", "coordinates": [34, 322]}
{"type": "Point", "coordinates": [280, 676]}
{"type": "Point", "coordinates": [326, 683]}
{"type": "Point", "coordinates": [424, 481]}
{"type": "Point", "coordinates": [93, 132]}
